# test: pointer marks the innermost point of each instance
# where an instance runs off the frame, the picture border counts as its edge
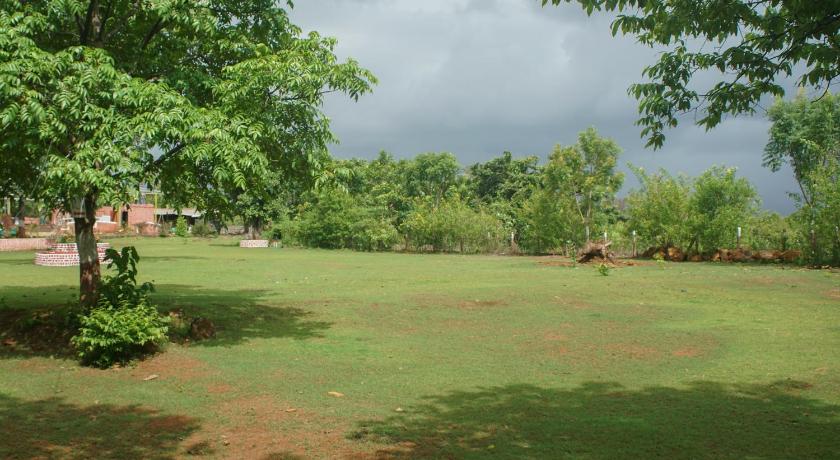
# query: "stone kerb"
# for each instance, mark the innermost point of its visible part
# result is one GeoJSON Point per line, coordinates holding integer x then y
{"type": "Point", "coordinates": [253, 244]}
{"type": "Point", "coordinates": [66, 255]}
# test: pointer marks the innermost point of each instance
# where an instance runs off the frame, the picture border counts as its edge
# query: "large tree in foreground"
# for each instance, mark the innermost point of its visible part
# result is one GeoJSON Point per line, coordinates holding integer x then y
{"type": "Point", "coordinates": [750, 44]}
{"type": "Point", "coordinates": [196, 98]}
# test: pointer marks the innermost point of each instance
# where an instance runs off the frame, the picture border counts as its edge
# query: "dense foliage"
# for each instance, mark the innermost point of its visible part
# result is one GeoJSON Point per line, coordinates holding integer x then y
{"type": "Point", "coordinates": [203, 100]}
{"type": "Point", "coordinates": [508, 204]}
{"type": "Point", "coordinates": [124, 324]}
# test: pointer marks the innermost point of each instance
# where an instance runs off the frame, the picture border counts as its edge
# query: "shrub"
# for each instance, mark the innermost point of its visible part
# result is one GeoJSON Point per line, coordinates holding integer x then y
{"type": "Point", "coordinates": [165, 229]}
{"type": "Point", "coordinates": [604, 269]}
{"type": "Point", "coordinates": [181, 228]}
{"type": "Point", "coordinates": [111, 334]}
{"type": "Point", "coordinates": [374, 234]}
{"type": "Point", "coordinates": [124, 324]}
{"type": "Point", "coordinates": [122, 286]}
{"type": "Point", "coordinates": [202, 229]}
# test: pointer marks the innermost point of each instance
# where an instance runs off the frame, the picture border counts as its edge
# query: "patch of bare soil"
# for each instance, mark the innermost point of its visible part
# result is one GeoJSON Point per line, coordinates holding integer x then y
{"type": "Point", "coordinates": [615, 263]}
{"type": "Point", "coordinates": [35, 332]}
{"type": "Point", "coordinates": [261, 427]}
{"type": "Point", "coordinates": [472, 304]}
{"type": "Point", "coordinates": [173, 363]}
{"type": "Point", "coordinates": [687, 352]}
{"type": "Point", "coordinates": [632, 351]}
{"type": "Point", "coordinates": [833, 293]}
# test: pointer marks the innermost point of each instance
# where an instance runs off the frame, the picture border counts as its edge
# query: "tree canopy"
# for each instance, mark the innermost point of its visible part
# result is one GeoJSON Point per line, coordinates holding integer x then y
{"type": "Point", "coordinates": [752, 44]}
{"type": "Point", "coordinates": [197, 98]}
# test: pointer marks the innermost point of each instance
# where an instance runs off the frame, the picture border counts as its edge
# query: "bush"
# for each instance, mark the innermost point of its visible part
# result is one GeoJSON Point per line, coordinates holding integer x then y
{"type": "Point", "coordinates": [111, 334]}
{"type": "Point", "coordinates": [202, 229]}
{"type": "Point", "coordinates": [124, 324]}
{"type": "Point", "coordinates": [181, 228]}
{"type": "Point", "coordinates": [374, 234]}
{"type": "Point", "coordinates": [326, 222]}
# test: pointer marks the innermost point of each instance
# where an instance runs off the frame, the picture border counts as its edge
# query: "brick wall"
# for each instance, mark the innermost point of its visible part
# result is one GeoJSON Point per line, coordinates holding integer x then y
{"type": "Point", "coordinates": [140, 213]}
{"type": "Point", "coordinates": [66, 255]}
{"type": "Point", "coordinates": [23, 244]}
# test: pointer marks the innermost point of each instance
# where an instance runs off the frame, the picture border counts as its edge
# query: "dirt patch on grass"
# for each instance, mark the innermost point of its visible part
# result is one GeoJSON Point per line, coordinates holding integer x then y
{"type": "Point", "coordinates": [219, 389]}
{"type": "Point", "coordinates": [632, 351]}
{"type": "Point", "coordinates": [173, 363]}
{"type": "Point", "coordinates": [687, 352]}
{"type": "Point", "coordinates": [551, 261]}
{"type": "Point", "coordinates": [41, 332]}
{"type": "Point", "coordinates": [833, 294]}
{"type": "Point", "coordinates": [263, 427]}
{"type": "Point", "coordinates": [437, 300]}
{"type": "Point", "coordinates": [473, 304]}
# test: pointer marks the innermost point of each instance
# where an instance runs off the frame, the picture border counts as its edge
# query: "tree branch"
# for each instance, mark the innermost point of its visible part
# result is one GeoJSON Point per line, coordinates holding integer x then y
{"type": "Point", "coordinates": [169, 154]}
{"type": "Point", "coordinates": [157, 27]}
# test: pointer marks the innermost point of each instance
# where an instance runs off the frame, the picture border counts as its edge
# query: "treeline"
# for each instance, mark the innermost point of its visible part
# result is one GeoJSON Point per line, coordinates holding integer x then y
{"type": "Point", "coordinates": [508, 204]}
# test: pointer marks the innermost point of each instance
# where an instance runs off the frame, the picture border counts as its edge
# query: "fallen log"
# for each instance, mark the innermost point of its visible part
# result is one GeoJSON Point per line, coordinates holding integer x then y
{"type": "Point", "coordinates": [594, 250]}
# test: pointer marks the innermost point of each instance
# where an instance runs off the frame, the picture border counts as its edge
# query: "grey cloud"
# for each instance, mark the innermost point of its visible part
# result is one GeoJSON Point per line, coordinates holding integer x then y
{"type": "Point", "coordinates": [477, 77]}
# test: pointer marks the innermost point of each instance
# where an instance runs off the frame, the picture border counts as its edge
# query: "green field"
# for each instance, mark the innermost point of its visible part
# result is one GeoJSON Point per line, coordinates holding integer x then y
{"type": "Point", "coordinates": [436, 356]}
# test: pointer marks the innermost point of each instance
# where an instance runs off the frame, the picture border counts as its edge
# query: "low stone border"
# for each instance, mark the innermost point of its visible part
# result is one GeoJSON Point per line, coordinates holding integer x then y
{"type": "Point", "coordinates": [61, 259]}
{"type": "Point", "coordinates": [23, 244]}
{"type": "Point", "coordinates": [66, 255]}
{"type": "Point", "coordinates": [72, 247]}
{"type": "Point", "coordinates": [253, 244]}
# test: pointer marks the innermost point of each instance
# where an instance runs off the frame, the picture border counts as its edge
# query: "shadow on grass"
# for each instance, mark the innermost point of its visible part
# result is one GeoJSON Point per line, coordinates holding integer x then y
{"type": "Point", "coordinates": [239, 315]}
{"type": "Point", "coordinates": [170, 258]}
{"type": "Point", "coordinates": [34, 320]}
{"type": "Point", "coordinates": [28, 261]}
{"type": "Point", "coordinates": [605, 421]}
{"type": "Point", "coordinates": [53, 428]}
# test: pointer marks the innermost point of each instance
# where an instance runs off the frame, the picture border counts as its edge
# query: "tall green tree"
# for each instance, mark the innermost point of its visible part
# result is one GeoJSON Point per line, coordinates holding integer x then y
{"type": "Point", "coordinates": [805, 135]}
{"type": "Point", "coordinates": [584, 176]}
{"type": "Point", "coordinates": [660, 211]}
{"type": "Point", "coordinates": [721, 203]}
{"type": "Point", "coordinates": [432, 175]}
{"type": "Point", "coordinates": [196, 98]}
{"type": "Point", "coordinates": [751, 44]}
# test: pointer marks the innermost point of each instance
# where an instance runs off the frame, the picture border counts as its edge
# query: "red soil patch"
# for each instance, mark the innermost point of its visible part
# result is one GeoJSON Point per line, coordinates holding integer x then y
{"type": "Point", "coordinates": [173, 363]}
{"type": "Point", "coordinates": [169, 424]}
{"type": "Point", "coordinates": [553, 336]}
{"type": "Point", "coordinates": [834, 294]}
{"type": "Point", "coordinates": [263, 427]}
{"type": "Point", "coordinates": [632, 351]}
{"type": "Point", "coordinates": [219, 388]}
{"type": "Point", "coordinates": [688, 352]}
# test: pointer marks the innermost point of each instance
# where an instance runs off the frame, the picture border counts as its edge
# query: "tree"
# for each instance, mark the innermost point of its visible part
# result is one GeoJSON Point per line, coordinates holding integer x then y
{"type": "Point", "coordinates": [196, 98]}
{"type": "Point", "coordinates": [432, 174]}
{"type": "Point", "coordinates": [720, 204]}
{"type": "Point", "coordinates": [751, 43]}
{"type": "Point", "coordinates": [584, 176]}
{"type": "Point", "coordinates": [505, 184]}
{"type": "Point", "coordinates": [805, 135]}
{"type": "Point", "coordinates": [660, 210]}
{"type": "Point", "coordinates": [503, 177]}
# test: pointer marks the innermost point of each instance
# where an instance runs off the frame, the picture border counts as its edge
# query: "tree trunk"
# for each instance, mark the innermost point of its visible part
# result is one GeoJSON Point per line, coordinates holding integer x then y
{"type": "Point", "coordinates": [89, 272]}
{"type": "Point", "coordinates": [21, 216]}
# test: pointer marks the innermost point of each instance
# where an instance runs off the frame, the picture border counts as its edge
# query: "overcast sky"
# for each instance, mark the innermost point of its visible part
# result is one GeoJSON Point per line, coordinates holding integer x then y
{"type": "Point", "coordinates": [478, 77]}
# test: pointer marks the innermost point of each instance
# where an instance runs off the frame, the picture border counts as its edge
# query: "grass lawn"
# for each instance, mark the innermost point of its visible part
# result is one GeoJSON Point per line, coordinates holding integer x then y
{"type": "Point", "coordinates": [438, 356]}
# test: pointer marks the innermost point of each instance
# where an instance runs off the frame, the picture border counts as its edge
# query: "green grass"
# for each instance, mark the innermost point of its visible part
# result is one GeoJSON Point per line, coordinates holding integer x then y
{"type": "Point", "coordinates": [439, 356]}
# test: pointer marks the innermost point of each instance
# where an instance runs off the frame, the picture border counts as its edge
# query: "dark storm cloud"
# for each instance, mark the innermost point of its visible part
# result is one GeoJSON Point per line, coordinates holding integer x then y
{"type": "Point", "coordinates": [478, 77]}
